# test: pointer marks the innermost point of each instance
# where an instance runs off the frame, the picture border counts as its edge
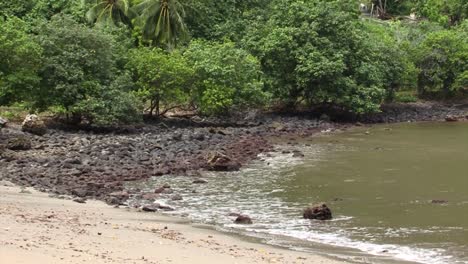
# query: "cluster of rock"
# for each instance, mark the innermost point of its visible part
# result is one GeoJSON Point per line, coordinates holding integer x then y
{"type": "Point", "coordinates": [93, 165]}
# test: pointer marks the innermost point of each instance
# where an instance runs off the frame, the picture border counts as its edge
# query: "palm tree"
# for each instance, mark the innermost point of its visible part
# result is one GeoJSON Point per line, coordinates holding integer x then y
{"type": "Point", "coordinates": [162, 22]}
{"type": "Point", "coordinates": [110, 12]}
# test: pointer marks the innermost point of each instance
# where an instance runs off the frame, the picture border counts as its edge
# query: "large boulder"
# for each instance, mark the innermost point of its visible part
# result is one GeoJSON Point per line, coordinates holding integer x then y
{"type": "Point", "coordinates": [32, 124]}
{"type": "Point", "coordinates": [318, 211]}
{"type": "Point", "coordinates": [221, 162]}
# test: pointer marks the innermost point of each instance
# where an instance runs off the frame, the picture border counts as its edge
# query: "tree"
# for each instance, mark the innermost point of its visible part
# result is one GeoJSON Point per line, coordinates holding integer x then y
{"type": "Point", "coordinates": [318, 52]}
{"type": "Point", "coordinates": [110, 12]}
{"type": "Point", "coordinates": [163, 79]}
{"type": "Point", "coordinates": [162, 22]}
{"type": "Point", "coordinates": [77, 61]}
{"type": "Point", "coordinates": [21, 60]}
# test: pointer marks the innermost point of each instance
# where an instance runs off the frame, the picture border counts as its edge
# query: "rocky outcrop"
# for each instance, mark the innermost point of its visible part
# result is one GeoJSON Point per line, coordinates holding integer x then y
{"type": "Point", "coordinates": [32, 124]}
{"type": "Point", "coordinates": [318, 211]}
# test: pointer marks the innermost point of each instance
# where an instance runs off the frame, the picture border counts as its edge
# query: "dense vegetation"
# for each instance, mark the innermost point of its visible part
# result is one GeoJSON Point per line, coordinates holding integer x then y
{"type": "Point", "coordinates": [106, 62]}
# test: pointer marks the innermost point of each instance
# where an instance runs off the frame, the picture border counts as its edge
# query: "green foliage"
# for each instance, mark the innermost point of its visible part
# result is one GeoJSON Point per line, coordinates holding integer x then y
{"type": "Point", "coordinates": [445, 12]}
{"type": "Point", "coordinates": [21, 59]}
{"type": "Point", "coordinates": [110, 12]}
{"type": "Point", "coordinates": [163, 79]}
{"type": "Point", "coordinates": [321, 53]}
{"type": "Point", "coordinates": [76, 61]}
{"type": "Point", "coordinates": [443, 62]}
{"type": "Point", "coordinates": [226, 76]}
{"type": "Point", "coordinates": [112, 106]}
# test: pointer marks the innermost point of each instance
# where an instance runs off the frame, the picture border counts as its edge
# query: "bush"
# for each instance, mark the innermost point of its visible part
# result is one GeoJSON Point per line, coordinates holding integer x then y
{"type": "Point", "coordinates": [163, 79]}
{"type": "Point", "coordinates": [112, 107]}
{"type": "Point", "coordinates": [226, 76]}
{"type": "Point", "coordinates": [443, 63]}
{"type": "Point", "coordinates": [21, 59]}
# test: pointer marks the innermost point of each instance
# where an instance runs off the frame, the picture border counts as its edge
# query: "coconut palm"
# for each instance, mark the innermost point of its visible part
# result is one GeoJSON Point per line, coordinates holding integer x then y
{"type": "Point", "coordinates": [110, 12]}
{"type": "Point", "coordinates": [162, 21]}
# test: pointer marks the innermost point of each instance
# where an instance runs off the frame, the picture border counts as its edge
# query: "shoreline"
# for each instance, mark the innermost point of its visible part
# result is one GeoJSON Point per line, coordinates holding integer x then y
{"type": "Point", "coordinates": [39, 229]}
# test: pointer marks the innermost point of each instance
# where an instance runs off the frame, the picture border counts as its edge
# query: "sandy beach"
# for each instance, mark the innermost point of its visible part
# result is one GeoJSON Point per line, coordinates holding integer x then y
{"type": "Point", "coordinates": [35, 228]}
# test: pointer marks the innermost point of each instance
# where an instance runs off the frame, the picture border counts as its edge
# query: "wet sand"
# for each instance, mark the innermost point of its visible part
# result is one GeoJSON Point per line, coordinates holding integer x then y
{"type": "Point", "coordinates": [35, 228]}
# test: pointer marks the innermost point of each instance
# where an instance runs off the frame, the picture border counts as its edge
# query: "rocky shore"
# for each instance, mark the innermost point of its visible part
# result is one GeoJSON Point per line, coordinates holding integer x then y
{"type": "Point", "coordinates": [97, 165]}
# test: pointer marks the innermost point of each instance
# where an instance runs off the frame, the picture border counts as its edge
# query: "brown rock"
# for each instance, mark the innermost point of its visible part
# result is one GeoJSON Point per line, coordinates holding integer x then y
{"type": "Point", "coordinates": [318, 211]}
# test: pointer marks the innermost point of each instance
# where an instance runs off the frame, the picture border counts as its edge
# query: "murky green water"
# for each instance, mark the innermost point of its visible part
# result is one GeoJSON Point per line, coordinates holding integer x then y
{"type": "Point", "coordinates": [379, 184]}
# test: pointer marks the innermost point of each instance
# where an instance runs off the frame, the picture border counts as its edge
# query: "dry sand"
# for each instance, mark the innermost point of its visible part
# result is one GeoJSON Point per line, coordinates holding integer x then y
{"type": "Point", "coordinates": [35, 228]}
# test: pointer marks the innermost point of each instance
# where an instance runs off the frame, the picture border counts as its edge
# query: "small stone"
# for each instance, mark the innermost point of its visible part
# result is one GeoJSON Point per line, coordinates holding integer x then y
{"type": "Point", "coordinates": [79, 200]}
{"type": "Point", "coordinates": [199, 181]}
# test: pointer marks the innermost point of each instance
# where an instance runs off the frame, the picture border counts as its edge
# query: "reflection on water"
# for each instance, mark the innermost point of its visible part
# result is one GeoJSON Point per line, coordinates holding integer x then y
{"type": "Point", "coordinates": [379, 185]}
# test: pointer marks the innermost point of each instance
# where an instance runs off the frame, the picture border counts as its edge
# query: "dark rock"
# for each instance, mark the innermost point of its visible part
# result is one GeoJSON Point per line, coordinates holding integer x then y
{"type": "Point", "coordinates": [298, 154]}
{"type": "Point", "coordinates": [176, 197]}
{"type": "Point", "coordinates": [324, 117]}
{"type": "Point", "coordinates": [32, 124]}
{"type": "Point", "coordinates": [166, 186]}
{"type": "Point", "coordinates": [79, 200]}
{"type": "Point", "coordinates": [159, 190]}
{"type": "Point", "coordinates": [319, 212]}
{"type": "Point", "coordinates": [118, 197]}
{"type": "Point", "coordinates": [18, 142]}
{"type": "Point", "coordinates": [199, 181]}
{"type": "Point", "coordinates": [150, 208]}
{"type": "Point", "coordinates": [437, 201]}
{"type": "Point", "coordinates": [243, 220]}
{"type": "Point", "coordinates": [199, 136]}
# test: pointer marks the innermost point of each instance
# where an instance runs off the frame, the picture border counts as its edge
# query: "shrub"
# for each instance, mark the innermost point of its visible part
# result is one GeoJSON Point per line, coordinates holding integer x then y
{"type": "Point", "coordinates": [226, 76]}
{"type": "Point", "coordinates": [113, 106]}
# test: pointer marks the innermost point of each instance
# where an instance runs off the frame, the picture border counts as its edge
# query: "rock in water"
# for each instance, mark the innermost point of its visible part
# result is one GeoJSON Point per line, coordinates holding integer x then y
{"type": "Point", "coordinates": [32, 124]}
{"type": "Point", "coordinates": [243, 219]}
{"type": "Point", "coordinates": [319, 212]}
{"type": "Point", "coordinates": [221, 162]}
